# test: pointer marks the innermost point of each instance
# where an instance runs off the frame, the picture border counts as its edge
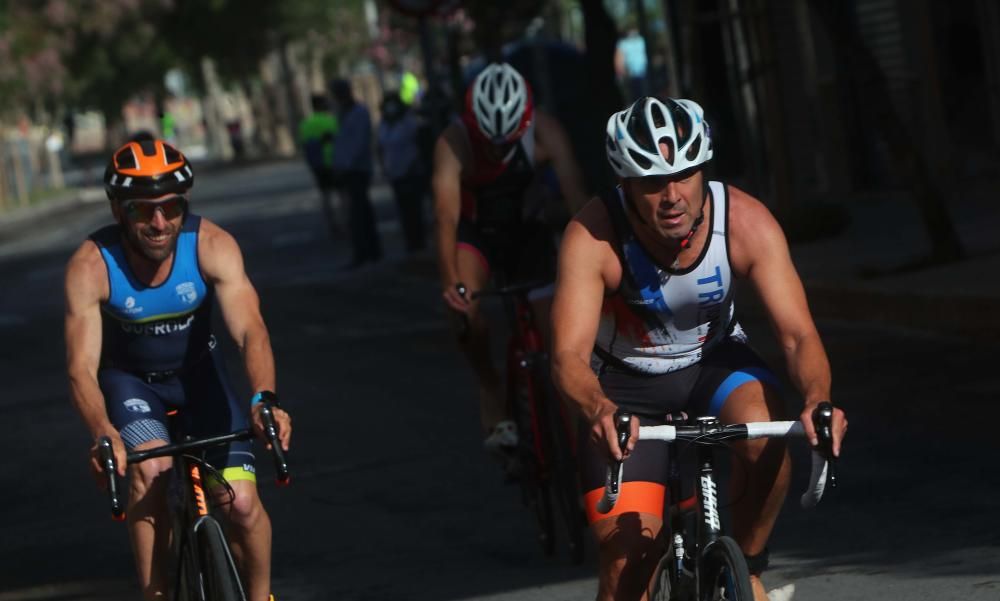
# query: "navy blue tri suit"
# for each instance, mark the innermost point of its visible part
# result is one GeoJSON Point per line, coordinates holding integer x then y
{"type": "Point", "coordinates": [158, 355]}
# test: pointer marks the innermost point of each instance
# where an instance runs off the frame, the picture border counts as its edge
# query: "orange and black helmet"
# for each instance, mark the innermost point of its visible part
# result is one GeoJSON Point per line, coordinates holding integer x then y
{"type": "Point", "coordinates": [147, 169]}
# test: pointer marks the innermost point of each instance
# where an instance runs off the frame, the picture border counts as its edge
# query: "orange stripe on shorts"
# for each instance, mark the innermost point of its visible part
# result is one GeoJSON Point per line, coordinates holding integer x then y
{"type": "Point", "coordinates": [633, 497]}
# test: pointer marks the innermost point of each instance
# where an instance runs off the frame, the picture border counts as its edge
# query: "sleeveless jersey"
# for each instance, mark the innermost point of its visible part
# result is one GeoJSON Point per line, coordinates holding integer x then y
{"type": "Point", "coordinates": [494, 194]}
{"type": "Point", "coordinates": [661, 320]}
{"type": "Point", "coordinates": [155, 328]}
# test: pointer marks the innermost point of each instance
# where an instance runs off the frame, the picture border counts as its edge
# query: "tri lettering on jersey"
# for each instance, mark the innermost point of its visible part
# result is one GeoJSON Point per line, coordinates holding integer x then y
{"type": "Point", "coordinates": [159, 328]}
{"type": "Point", "coordinates": [710, 301]}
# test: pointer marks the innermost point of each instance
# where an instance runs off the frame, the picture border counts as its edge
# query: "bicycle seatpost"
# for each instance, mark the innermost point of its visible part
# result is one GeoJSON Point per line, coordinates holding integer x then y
{"type": "Point", "coordinates": [823, 423]}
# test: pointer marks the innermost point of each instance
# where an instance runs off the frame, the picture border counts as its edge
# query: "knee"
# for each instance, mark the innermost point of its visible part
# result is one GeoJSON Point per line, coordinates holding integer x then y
{"type": "Point", "coordinates": [150, 474]}
{"type": "Point", "coordinates": [245, 510]}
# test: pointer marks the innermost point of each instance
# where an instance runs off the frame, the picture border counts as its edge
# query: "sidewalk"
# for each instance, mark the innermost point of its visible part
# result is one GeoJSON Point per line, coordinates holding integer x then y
{"type": "Point", "coordinates": [857, 275]}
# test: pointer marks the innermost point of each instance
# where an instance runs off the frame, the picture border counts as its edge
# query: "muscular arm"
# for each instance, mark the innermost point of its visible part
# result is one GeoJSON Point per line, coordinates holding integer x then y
{"type": "Point", "coordinates": [222, 263]}
{"type": "Point", "coordinates": [576, 312]}
{"type": "Point", "coordinates": [560, 152]}
{"type": "Point", "coordinates": [766, 262]}
{"type": "Point", "coordinates": [446, 184]}
{"type": "Point", "coordinates": [85, 286]}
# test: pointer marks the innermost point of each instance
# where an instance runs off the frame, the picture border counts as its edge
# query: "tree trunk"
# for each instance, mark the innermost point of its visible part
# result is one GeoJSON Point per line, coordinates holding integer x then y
{"type": "Point", "coordinates": [908, 161]}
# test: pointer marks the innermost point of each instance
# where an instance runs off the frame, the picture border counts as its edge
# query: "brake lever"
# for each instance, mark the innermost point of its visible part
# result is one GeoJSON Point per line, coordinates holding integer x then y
{"type": "Point", "coordinates": [823, 423]}
{"type": "Point", "coordinates": [623, 425]}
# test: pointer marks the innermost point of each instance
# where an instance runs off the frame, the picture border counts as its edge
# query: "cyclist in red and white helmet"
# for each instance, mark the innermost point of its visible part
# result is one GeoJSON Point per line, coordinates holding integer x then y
{"type": "Point", "coordinates": [486, 164]}
{"type": "Point", "coordinates": [643, 320]}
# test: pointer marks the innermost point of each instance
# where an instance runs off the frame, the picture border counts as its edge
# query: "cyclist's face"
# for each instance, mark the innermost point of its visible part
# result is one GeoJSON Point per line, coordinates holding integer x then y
{"type": "Point", "coordinates": [667, 205]}
{"type": "Point", "coordinates": [152, 225]}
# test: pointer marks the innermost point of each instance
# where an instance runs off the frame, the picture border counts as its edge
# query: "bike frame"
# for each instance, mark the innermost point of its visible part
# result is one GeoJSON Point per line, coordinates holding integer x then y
{"type": "Point", "coordinates": [195, 511]}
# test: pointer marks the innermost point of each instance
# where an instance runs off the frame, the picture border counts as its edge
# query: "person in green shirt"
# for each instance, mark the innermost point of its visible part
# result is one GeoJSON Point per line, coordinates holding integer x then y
{"type": "Point", "coordinates": [316, 134]}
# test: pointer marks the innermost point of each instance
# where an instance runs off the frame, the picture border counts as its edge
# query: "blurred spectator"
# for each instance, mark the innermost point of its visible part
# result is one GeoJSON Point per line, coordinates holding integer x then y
{"type": "Point", "coordinates": [399, 154]}
{"type": "Point", "coordinates": [352, 166]}
{"type": "Point", "coordinates": [630, 63]}
{"type": "Point", "coordinates": [235, 130]}
{"type": "Point", "coordinates": [168, 127]}
{"type": "Point", "coordinates": [409, 88]}
{"type": "Point", "coordinates": [316, 135]}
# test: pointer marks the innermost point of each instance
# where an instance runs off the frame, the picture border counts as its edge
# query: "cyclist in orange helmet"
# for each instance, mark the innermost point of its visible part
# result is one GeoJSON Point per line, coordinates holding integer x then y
{"type": "Point", "coordinates": [139, 297]}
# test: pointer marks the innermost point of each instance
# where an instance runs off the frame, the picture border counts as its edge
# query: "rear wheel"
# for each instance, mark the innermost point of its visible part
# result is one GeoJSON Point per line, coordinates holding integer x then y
{"type": "Point", "coordinates": [562, 471]}
{"type": "Point", "coordinates": [534, 488]}
{"type": "Point", "coordinates": [724, 575]}
{"type": "Point", "coordinates": [219, 576]}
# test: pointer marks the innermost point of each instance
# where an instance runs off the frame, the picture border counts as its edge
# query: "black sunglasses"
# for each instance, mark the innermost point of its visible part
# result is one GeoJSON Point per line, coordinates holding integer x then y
{"type": "Point", "coordinates": [144, 210]}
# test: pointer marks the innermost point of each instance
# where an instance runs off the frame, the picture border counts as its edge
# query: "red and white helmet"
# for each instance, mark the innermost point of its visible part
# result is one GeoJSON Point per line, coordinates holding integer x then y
{"type": "Point", "coordinates": [635, 134]}
{"type": "Point", "coordinates": [499, 102]}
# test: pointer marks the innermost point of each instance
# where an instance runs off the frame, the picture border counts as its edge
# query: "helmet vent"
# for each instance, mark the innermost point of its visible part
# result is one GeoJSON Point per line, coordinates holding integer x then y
{"type": "Point", "coordinates": [172, 155]}
{"type": "Point", "coordinates": [148, 147]}
{"type": "Point", "coordinates": [694, 148]}
{"type": "Point", "coordinates": [640, 160]}
{"type": "Point", "coordinates": [682, 122]}
{"type": "Point", "coordinates": [125, 159]}
{"type": "Point", "coordinates": [669, 155]}
{"type": "Point", "coordinates": [659, 119]}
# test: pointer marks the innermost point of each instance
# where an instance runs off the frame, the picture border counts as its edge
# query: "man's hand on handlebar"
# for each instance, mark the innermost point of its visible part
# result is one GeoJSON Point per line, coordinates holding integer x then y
{"type": "Point", "coordinates": [837, 424]}
{"type": "Point", "coordinates": [457, 297]}
{"type": "Point", "coordinates": [603, 431]}
{"type": "Point", "coordinates": [96, 465]}
{"type": "Point", "coordinates": [281, 419]}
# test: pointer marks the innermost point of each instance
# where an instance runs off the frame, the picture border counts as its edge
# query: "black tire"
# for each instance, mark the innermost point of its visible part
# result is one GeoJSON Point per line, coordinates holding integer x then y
{"type": "Point", "coordinates": [187, 582]}
{"type": "Point", "coordinates": [534, 490]}
{"type": "Point", "coordinates": [723, 574]}
{"type": "Point", "coordinates": [219, 576]}
{"type": "Point", "coordinates": [562, 469]}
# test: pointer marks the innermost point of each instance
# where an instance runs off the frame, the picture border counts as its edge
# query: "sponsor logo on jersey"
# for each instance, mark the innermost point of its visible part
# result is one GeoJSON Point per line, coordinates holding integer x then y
{"type": "Point", "coordinates": [159, 328]}
{"type": "Point", "coordinates": [137, 406]}
{"type": "Point", "coordinates": [130, 307]}
{"type": "Point", "coordinates": [249, 468]}
{"type": "Point", "coordinates": [186, 292]}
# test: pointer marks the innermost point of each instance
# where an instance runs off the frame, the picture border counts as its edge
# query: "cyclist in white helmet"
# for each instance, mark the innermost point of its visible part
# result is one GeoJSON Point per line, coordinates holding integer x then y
{"type": "Point", "coordinates": [485, 164]}
{"type": "Point", "coordinates": [643, 320]}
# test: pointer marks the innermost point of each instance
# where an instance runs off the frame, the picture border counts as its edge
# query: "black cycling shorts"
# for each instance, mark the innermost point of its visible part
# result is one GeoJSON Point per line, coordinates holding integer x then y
{"type": "Point", "coordinates": [521, 253]}
{"type": "Point", "coordinates": [701, 389]}
{"type": "Point", "coordinates": [205, 404]}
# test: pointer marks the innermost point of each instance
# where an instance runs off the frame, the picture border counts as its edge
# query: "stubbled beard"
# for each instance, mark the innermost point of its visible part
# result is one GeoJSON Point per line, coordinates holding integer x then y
{"type": "Point", "coordinates": [156, 255]}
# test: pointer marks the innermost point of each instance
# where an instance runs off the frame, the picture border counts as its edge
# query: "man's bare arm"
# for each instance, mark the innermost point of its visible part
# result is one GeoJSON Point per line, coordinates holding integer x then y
{"type": "Point", "coordinates": [446, 184]}
{"type": "Point", "coordinates": [85, 285]}
{"type": "Point", "coordinates": [576, 313]}
{"type": "Point", "coordinates": [766, 261]}
{"type": "Point", "coordinates": [222, 263]}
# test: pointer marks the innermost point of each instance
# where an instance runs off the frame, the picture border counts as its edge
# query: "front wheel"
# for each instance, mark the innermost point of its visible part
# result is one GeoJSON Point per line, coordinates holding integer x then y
{"type": "Point", "coordinates": [219, 577]}
{"type": "Point", "coordinates": [724, 575]}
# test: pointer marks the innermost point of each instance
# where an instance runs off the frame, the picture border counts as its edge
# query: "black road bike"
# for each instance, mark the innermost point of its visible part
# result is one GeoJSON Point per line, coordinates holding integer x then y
{"type": "Point", "coordinates": [203, 566]}
{"type": "Point", "coordinates": [699, 561]}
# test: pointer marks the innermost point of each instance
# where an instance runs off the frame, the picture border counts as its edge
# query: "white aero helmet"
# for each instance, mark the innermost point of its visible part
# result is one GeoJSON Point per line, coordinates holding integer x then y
{"type": "Point", "coordinates": [634, 136]}
{"type": "Point", "coordinates": [500, 102]}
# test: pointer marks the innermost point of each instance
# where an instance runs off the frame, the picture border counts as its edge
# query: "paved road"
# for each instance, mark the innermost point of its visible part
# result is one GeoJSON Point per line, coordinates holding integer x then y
{"type": "Point", "coordinates": [392, 497]}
